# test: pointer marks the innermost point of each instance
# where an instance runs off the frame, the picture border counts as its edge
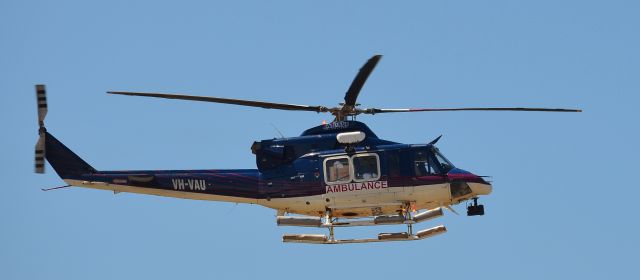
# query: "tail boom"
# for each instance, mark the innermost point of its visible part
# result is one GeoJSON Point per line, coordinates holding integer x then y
{"type": "Point", "coordinates": [237, 185]}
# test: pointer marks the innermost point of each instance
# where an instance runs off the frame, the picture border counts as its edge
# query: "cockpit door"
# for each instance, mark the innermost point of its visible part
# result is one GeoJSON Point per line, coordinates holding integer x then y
{"type": "Point", "coordinates": [424, 169]}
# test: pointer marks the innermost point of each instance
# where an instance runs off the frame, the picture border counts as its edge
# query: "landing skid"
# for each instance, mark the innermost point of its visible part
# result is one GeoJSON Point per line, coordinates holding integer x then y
{"type": "Point", "coordinates": [382, 237]}
{"type": "Point", "coordinates": [330, 223]}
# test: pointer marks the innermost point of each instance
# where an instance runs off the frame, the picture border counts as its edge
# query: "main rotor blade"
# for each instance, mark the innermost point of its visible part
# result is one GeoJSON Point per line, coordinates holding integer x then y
{"type": "Point", "coordinates": [266, 105]}
{"type": "Point", "coordinates": [352, 94]}
{"type": "Point", "coordinates": [377, 111]}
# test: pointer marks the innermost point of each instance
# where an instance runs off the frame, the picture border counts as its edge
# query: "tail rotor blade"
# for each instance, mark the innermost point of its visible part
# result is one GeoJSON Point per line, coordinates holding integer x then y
{"type": "Point", "coordinates": [39, 166]}
{"type": "Point", "coordinates": [41, 95]}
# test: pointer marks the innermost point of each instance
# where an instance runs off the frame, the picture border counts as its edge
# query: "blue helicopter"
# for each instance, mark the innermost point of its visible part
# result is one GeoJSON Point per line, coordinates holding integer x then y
{"type": "Point", "coordinates": [337, 174]}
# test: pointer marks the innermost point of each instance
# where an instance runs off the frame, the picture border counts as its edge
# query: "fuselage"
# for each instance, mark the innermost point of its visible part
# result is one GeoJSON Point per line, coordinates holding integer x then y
{"type": "Point", "coordinates": [312, 173]}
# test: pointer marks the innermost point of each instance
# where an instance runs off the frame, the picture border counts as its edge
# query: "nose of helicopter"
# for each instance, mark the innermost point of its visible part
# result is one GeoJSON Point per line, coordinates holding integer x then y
{"type": "Point", "coordinates": [478, 185]}
{"type": "Point", "coordinates": [481, 188]}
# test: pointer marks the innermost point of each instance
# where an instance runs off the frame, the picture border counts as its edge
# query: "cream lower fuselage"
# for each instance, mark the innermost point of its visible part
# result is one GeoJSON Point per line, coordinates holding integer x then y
{"type": "Point", "coordinates": [348, 204]}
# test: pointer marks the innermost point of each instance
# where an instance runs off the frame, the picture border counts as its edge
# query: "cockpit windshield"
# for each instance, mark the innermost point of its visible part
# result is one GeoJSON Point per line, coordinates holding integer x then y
{"type": "Point", "coordinates": [445, 164]}
{"type": "Point", "coordinates": [430, 162]}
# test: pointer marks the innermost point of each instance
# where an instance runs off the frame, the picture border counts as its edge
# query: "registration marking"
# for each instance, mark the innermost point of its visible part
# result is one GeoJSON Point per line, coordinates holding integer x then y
{"type": "Point", "coordinates": [190, 184]}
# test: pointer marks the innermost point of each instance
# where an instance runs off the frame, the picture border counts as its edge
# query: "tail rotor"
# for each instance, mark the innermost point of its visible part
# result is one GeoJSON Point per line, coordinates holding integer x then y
{"type": "Point", "coordinates": [41, 96]}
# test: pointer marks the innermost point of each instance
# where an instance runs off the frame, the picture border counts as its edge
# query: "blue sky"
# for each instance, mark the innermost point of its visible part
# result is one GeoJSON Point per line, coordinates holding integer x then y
{"type": "Point", "coordinates": [563, 203]}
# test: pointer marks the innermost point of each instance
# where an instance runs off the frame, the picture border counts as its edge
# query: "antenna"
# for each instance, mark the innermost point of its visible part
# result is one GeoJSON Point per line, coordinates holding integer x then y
{"type": "Point", "coordinates": [277, 130]}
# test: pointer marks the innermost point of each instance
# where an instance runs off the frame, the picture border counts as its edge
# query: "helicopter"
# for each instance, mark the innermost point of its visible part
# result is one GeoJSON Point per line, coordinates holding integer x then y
{"type": "Point", "coordinates": [338, 174]}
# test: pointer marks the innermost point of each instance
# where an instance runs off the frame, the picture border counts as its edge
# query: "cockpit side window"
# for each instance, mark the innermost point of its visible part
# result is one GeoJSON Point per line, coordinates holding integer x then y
{"type": "Point", "coordinates": [423, 164]}
{"type": "Point", "coordinates": [393, 164]}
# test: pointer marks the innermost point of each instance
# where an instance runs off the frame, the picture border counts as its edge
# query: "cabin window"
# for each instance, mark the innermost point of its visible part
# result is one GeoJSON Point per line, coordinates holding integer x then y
{"type": "Point", "coordinates": [366, 167]}
{"type": "Point", "coordinates": [359, 168]}
{"type": "Point", "coordinates": [337, 170]}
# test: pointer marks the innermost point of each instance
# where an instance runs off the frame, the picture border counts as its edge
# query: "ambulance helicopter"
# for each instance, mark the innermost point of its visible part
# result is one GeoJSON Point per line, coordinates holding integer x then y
{"type": "Point", "coordinates": [339, 174]}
